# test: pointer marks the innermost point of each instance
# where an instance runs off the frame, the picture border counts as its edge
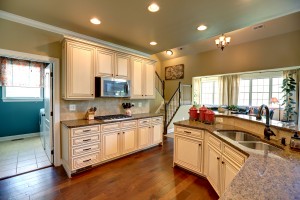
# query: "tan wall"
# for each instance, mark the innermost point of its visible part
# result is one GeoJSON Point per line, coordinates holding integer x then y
{"type": "Point", "coordinates": [269, 53]}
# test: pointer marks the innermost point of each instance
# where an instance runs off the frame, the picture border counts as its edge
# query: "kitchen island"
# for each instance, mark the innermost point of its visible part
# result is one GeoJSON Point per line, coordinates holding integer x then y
{"type": "Point", "coordinates": [264, 174]}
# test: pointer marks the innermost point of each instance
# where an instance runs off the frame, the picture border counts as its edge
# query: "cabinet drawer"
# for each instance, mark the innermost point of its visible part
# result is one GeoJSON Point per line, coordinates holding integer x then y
{"type": "Point", "coordinates": [129, 124]}
{"type": "Point", "coordinates": [111, 126]}
{"type": "Point", "coordinates": [190, 132]}
{"type": "Point", "coordinates": [236, 156]}
{"type": "Point", "coordinates": [85, 130]}
{"type": "Point", "coordinates": [144, 122]}
{"type": "Point", "coordinates": [216, 143]}
{"type": "Point", "coordinates": [86, 160]}
{"type": "Point", "coordinates": [86, 140]}
{"type": "Point", "coordinates": [85, 149]}
{"type": "Point", "coordinates": [157, 120]}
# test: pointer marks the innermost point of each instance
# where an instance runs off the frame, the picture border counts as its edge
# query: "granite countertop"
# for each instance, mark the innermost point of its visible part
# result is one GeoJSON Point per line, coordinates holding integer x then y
{"type": "Point", "coordinates": [85, 122]}
{"type": "Point", "coordinates": [273, 123]}
{"type": "Point", "coordinates": [265, 175]}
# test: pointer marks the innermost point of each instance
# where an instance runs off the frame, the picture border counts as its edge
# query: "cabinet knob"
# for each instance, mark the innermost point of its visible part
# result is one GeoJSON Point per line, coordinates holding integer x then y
{"type": "Point", "coordinates": [92, 94]}
{"type": "Point", "coordinates": [218, 158]}
{"type": "Point", "coordinates": [123, 132]}
{"type": "Point", "coordinates": [118, 133]}
{"type": "Point", "coordinates": [112, 74]}
{"type": "Point", "coordinates": [223, 162]}
{"type": "Point", "coordinates": [199, 144]}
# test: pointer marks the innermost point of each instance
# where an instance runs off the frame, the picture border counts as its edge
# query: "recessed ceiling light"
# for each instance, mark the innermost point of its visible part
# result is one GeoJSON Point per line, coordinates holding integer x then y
{"type": "Point", "coordinates": [202, 27]}
{"type": "Point", "coordinates": [153, 7]}
{"type": "Point", "coordinates": [153, 43]}
{"type": "Point", "coordinates": [95, 21]}
{"type": "Point", "coordinates": [169, 52]}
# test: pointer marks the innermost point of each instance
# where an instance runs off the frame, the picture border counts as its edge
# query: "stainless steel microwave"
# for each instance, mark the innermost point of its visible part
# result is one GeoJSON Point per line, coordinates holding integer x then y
{"type": "Point", "coordinates": [112, 87]}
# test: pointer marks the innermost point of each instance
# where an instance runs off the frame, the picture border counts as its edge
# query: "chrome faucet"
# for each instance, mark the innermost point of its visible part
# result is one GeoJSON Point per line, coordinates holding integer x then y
{"type": "Point", "coordinates": [267, 132]}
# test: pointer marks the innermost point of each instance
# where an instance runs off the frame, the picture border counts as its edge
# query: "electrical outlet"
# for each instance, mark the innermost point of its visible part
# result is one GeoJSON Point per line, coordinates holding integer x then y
{"type": "Point", "coordinates": [72, 107]}
{"type": "Point", "coordinates": [219, 119]}
{"type": "Point", "coordinates": [140, 104]}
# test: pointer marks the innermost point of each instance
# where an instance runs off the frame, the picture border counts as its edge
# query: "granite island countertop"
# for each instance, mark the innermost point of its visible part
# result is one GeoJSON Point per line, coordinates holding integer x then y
{"type": "Point", "coordinates": [265, 175]}
{"type": "Point", "coordinates": [84, 122]}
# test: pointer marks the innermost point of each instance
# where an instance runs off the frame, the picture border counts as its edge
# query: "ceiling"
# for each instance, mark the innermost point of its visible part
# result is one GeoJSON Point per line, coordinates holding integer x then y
{"type": "Point", "coordinates": [130, 24]}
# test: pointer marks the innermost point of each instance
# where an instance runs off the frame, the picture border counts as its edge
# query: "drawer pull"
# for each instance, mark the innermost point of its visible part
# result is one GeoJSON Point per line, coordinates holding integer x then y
{"type": "Point", "coordinates": [88, 130]}
{"type": "Point", "coordinates": [86, 140]}
{"type": "Point", "coordinates": [188, 132]}
{"type": "Point", "coordinates": [87, 149]}
{"type": "Point", "coordinates": [87, 160]}
{"type": "Point", "coordinates": [144, 121]}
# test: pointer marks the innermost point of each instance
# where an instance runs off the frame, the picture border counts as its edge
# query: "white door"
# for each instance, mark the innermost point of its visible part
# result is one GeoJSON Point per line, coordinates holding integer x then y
{"type": "Point", "coordinates": [122, 66]}
{"type": "Point", "coordinates": [189, 153]}
{"type": "Point", "coordinates": [129, 141]}
{"type": "Point", "coordinates": [48, 128]}
{"type": "Point", "coordinates": [149, 72]}
{"type": "Point", "coordinates": [105, 63]}
{"type": "Point", "coordinates": [137, 78]}
{"type": "Point", "coordinates": [157, 133]}
{"type": "Point", "coordinates": [110, 145]}
{"type": "Point", "coordinates": [144, 137]}
{"type": "Point", "coordinates": [229, 171]}
{"type": "Point", "coordinates": [213, 165]}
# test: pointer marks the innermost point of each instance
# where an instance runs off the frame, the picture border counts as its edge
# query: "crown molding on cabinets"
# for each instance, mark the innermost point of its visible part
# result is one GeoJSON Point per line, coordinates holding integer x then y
{"type": "Point", "coordinates": [47, 27]}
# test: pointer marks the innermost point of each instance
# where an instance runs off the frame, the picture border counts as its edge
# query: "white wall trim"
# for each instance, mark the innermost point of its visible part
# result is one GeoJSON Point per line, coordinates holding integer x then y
{"type": "Point", "coordinates": [54, 29]}
{"type": "Point", "coordinates": [56, 93]}
{"type": "Point", "coordinates": [15, 137]}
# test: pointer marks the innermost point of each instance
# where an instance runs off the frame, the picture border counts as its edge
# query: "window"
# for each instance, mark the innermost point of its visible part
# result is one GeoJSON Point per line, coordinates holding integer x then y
{"type": "Point", "coordinates": [258, 89]}
{"type": "Point", "coordinates": [210, 92]}
{"type": "Point", "coordinates": [21, 80]}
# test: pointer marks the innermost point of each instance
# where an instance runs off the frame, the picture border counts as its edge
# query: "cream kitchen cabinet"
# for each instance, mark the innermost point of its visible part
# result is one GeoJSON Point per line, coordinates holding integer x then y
{"type": "Point", "coordinates": [213, 167]}
{"type": "Point", "coordinates": [78, 80]}
{"type": "Point", "coordinates": [142, 79]}
{"type": "Point", "coordinates": [228, 170]}
{"type": "Point", "coordinates": [129, 141]}
{"type": "Point", "coordinates": [112, 63]}
{"type": "Point", "coordinates": [110, 145]}
{"type": "Point", "coordinates": [144, 137]}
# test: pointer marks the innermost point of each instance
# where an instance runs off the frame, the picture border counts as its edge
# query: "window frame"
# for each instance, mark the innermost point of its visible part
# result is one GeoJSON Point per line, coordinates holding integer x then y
{"type": "Point", "coordinates": [215, 81]}
{"type": "Point", "coordinates": [22, 99]}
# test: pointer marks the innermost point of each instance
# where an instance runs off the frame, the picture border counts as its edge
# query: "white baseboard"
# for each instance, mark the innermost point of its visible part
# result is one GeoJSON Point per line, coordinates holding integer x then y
{"type": "Point", "coordinates": [15, 137]}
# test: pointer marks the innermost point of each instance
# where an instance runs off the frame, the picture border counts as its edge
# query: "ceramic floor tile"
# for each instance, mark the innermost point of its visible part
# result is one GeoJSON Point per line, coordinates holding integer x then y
{"type": "Point", "coordinates": [27, 162]}
{"type": "Point", "coordinates": [7, 173]}
{"type": "Point", "coordinates": [9, 161]}
{"type": "Point", "coordinates": [24, 158]}
{"type": "Point", "coordinates": [42, 154]}
{"type": "Point", "coordinates": [26, 168]}
{"type": "Point", "coordinates": [43, 164]}
{"type": "Point", "coordinates": [8, 167]}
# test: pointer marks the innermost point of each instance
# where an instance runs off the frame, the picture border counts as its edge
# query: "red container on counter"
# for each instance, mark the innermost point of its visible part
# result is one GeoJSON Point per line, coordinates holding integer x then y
{"type": "Point", "coordinates": [193, 113]}
{"type": "Point", "coordinates": [209, 117]}
{"type": "Point", "coordinates": [202, 111]}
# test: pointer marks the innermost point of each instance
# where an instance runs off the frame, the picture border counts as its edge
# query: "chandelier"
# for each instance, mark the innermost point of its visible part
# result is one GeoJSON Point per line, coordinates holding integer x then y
{"type": "Point", "coordinates": [222, 41]}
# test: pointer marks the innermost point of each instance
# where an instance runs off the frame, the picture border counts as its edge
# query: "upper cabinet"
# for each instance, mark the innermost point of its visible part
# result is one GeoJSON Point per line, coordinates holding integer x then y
{"type": "Point", "coordinates": [78, 80]}
{"type": "Point", "coordinates": [142, 78]}
{"type": "Point", "coordinates": [112, 63]}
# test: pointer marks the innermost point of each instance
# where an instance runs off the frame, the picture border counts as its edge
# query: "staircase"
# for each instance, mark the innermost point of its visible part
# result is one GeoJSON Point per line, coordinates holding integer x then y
{"type": "Point", "coordinates": [182, 96]}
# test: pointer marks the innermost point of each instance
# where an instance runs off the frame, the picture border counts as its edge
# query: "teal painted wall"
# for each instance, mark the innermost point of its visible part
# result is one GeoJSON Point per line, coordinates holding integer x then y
{"type": "Point", "coordinates": [19, 117]}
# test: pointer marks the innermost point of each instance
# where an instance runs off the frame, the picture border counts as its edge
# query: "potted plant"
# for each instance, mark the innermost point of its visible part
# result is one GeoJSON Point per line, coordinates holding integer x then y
{"type": "Point", "coordinates": [288, 88]}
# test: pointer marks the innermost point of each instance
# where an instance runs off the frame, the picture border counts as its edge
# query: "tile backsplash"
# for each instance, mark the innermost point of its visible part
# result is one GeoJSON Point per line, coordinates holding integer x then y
{"type": "Point", "coordinates": [105, 106]}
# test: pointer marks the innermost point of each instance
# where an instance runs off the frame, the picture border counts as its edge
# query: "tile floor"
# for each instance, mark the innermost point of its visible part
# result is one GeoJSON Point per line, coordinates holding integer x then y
{"type": "Point", "coordinates": [21, 156]}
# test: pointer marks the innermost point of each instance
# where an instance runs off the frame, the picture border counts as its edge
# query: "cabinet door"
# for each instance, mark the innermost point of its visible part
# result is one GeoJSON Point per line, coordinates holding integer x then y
{"type": "Point", "coordinates": [157, 133]}
{"type": "Point", "coordinates": [80, 71]}
{"type": "Point", "coordinates": [110, 145]}
{"type": "Point", "coordinates": [122, 66]}
{"type": "Point", "coordinates": [149, 70]}
{"type": "Point", "coordinates": [137, 78]}
{"type": "Point", "coordinates": [213, 165]}
{"type": "Point", "coordinates": [129, 141]}
{"type": "Point", "coordinates": [189, 153]}
{"type": "Point", "coordinates": [105, 62]}
{"type": "Point", "coordinates": [144, 137]}
{"type": "Point", "coordinates": [229, 171]}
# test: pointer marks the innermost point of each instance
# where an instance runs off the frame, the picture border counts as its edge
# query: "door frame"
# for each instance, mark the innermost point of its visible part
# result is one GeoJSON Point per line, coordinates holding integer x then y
{"type": "Point", "coordinates": [55, 92]}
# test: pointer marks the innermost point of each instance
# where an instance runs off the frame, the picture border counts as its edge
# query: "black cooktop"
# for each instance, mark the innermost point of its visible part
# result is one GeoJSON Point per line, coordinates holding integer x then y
{"type": "Point", "coordinates": [112, 117]}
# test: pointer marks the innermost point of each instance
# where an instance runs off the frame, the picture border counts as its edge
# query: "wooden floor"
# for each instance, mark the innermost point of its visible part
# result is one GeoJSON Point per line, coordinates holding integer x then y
{"type": "Point", "coordinates": [145, 175]}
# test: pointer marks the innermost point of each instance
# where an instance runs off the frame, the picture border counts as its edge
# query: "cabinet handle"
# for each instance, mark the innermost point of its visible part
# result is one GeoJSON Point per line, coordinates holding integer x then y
{"type": "Point", "coordinates": [88, 130]}
{"type": "Point", "coordinates": [187, 132]}
{"type": "Point", "coordinates": [123, 132]}
{"type": "Point", "coordinates": [92, 94]}
{"type": "Point", "coordinates": [118, 133]}
{"type": "Point", "coordinates": [87, 160]}
{"type": "Point", "coordinates": [218, 158]}
{"type": "Point", "coordinates": [87, 149]}
{"type": "Point", "coordinates": [199, 144]}
{"type": "Point", "coordinates": [149, 127]}
{"type": "Point", "coordinates": [86, 140]}
{"type": "Point", "coordinates": [223, 162]}
{"type": "Point", "coordinates": [112, 74]}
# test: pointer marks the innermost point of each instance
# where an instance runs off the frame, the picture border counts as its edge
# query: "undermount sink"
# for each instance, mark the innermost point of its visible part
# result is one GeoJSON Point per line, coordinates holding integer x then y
{"type": "Point", "coordinates": [260, 146]}
{"type": "Point", "coordinates": [239, 136]}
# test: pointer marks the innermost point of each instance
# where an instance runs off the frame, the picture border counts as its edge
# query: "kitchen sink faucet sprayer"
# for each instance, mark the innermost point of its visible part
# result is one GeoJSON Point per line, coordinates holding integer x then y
{"type": "Point", "coordinates": [267, 132]}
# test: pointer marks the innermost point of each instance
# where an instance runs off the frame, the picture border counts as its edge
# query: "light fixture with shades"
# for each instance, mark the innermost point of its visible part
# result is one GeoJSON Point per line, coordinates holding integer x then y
{"type": "Point", "coordinates": [169, 52]}
{"type": "Point", "coordinates": [222, 41]}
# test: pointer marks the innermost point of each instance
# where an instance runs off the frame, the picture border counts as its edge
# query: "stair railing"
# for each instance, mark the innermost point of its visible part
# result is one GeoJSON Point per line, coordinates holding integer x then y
{"type": "Point", "coordinates": [160, 85]}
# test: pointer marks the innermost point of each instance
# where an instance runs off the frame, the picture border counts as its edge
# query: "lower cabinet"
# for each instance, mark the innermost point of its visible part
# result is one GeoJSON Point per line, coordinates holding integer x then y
{"type": "Point", "coordinates": [110, 145]}
{"type": "Point", "coordinates": [144, 137]}
{"type": "Point", "coordinates": [129, 141]}
{"type": "Point", "coordinates": [228, 170]}
{"type": "Point", "coordinates": [189, 153]}
{"type": "Point", "coordinates": [213, 166]}
{"type": "Point", "coordinates": [157, 133]}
